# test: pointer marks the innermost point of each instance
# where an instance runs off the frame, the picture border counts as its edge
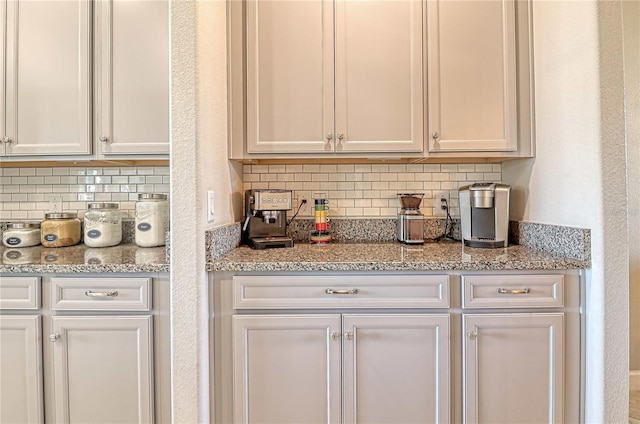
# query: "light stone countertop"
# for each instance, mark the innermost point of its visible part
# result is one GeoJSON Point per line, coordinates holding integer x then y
{"type": "Point", "coordinates": [124, 258]}
{"type": "Point", "coordinates": [444, 256]}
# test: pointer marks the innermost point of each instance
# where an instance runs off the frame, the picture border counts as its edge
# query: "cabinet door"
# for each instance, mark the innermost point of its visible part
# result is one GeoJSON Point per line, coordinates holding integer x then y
{"type": "Point", "coordinates": [132, 77]}
{"type": "Point", "coordinates": [472, 76]}
{"type": "Point", "coordinates": [513, 368]}
{"type": "Point", "coordinates": [21, 365]}
{"type": "Point", "coordinates": [290, 76]}
{"type": "Point", "coordinates": [3, 64]}
{"type": "Point", "coordinates": [48, 77]}
{"type": "Point", "coordinates": [103, 369]}
{"type": "Point", "coordinates": [286, 369]}
{"type": "Point", "coordinates": [379, 90]}
{"type": "Point", "coordinates": [396, 368]}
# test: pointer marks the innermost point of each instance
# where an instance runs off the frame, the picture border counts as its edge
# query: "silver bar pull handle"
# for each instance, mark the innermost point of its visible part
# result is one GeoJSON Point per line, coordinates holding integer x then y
{"type": "Point", "coordinates": [332, 291]}
{"type": "Point", "coordinates": [111, 293]}
{"type": "Point", "coordinates": [514, 291]}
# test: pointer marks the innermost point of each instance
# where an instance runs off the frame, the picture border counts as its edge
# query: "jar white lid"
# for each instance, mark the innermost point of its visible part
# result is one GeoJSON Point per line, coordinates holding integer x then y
{"type": "Point", "coordinates": [143, 196]}
{"type": "Point", "coordinates": [17, 225]}
{"type": "Point", "coordinates": [103, 206]}
{"type": "Point", "coordinates": [61, 215]}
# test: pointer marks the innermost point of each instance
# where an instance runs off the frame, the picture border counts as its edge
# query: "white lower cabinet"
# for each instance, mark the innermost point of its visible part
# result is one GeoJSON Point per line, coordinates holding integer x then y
{"type": "Point", "coordinates": [513, 368]}
{"type": "Point", "coordinates": [332, 368]}
{"type": "Point", "coordinates": [103, 369]}
{"type": "Point", "coordinates": [21, 365]}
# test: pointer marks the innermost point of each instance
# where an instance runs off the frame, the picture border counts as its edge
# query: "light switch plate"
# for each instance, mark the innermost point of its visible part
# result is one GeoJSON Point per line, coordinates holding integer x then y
{"type": "Point", "coordinates": [437, 203]}
{"type": "Point", "coordinates": [211, 195]}
{"type": "Point", "coordinates": [55, 204]}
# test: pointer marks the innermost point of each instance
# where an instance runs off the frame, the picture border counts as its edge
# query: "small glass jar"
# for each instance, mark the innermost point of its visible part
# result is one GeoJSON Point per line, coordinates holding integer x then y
{"type": "Point", "coordinates": [60, 229]}
{"type": "Point", "coordinates": [102, 225]}
{"type": "Point", "coordinates": [151, 219]}
{"type": "Point", "coordinates": [21, 234]}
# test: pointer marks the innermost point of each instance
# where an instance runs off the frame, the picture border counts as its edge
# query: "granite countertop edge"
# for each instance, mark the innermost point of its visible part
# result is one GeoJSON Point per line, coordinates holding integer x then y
{"type": "Point", "coordinates": [84, 269]}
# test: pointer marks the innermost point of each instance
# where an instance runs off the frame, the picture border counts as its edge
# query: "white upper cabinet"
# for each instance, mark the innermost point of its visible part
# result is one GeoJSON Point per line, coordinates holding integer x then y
{"type": "Point", "coordinates": [472, 76]}
{"type": "Point", "coordinates": [379, 76]}
{"type": "Point", "coordinates": [132, 77]}
{"type": "Point", "coordinates": [47, 77]}
{"type": "Point", "coordinates": [341, 76]}
{"type": "Point", "coordinates": [289, 76]}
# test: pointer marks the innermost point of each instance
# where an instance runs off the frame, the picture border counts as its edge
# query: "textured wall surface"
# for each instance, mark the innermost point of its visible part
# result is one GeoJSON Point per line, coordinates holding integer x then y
{"type": "Point", "coordinates": [578, 177]}
{"type": "Point", "coordinates": [25, 192]}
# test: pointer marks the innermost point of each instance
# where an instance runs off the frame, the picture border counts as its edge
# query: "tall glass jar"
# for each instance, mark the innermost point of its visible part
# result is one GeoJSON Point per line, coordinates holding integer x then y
{"type": "Point", "coordinates": [151, 219]}
{"type": "Point", "coordinates": [60, 229]}
{"type": "Point", "coordinates": [21, 234]}
{"type": "Point", "coordinates": [102, 225]}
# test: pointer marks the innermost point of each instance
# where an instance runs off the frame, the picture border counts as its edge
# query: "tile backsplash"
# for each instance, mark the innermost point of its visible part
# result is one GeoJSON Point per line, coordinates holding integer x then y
{"type": "Point", "coordinates": [369, 190]}
{"type": "Point", "coordinates": [25, 192]}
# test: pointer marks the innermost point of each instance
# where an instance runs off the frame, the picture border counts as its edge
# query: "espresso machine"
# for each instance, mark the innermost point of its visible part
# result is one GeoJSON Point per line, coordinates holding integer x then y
{"type": "Point", "coordinates": [484, 214]}
{"type": "Point", "coordinates": [265, 223]}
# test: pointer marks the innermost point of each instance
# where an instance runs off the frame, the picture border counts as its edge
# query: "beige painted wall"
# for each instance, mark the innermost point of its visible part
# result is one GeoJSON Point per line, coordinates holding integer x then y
{"type": "Point", "coordinates": [578, 177]}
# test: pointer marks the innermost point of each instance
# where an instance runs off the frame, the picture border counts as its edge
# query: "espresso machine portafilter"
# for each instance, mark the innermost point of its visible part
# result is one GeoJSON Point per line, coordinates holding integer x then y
{"type": "Point", "coordinates": [265, 223]}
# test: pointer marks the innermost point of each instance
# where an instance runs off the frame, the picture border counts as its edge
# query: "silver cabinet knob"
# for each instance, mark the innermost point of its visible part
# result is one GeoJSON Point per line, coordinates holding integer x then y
{"type": "Point", "coordinates": [53, 337]}
{"type": "Point", "coordinates": [7, 140]}
{"type": "Point", "coordinates": [340, 136]}
{"type": "Point", "coordinates": [103, 139]}
{"type": "Point", "coordinates": [472, 335]}
{"type": "Point", "coordinates": [329, 136]}
{"type": "Point", "coordinates": [435, 135]}
{"type": "Point", "coordinates": [335, 336]}
{"type": "Point", "coordinates": [348, 335]}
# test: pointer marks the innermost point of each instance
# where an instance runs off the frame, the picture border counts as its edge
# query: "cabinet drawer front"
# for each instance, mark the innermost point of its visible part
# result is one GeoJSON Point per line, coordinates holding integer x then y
{"type": "Point", "coordinates": [359, 291]}
{"type": "Point", "coordinates": [104, 294]}
{"type": "Point", "coordinates": [19, 292]}
{"type": "Point", "coordinates": [513, 291]}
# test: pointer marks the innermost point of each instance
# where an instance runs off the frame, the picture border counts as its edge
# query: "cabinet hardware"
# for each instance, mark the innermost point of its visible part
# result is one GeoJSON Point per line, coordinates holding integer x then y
{"type": "Point", "coordinates": [329, 136]}
{"type": "Point", "coordinates": [340, 136]}
{"type": "Point", "coordinates": [7, 140]}
{"type": "Point", "coordinates": [514, 291]}
{"type": "Point", "coordinates": [335, 336]}
{"type": "Point", "coordinates": [472, 335]}
{"type": "Point", "coordinates": [435, 135]}
{"type": "Point", "coordinates": [53, 337]}
{"type": "Point", "coordinates": [112, 293]}
{"type": "Point", "coordinates": [332, 291]}
{"type": "Point", "coordinates": [104, 139]}
{"type": "Point", "coordinates": [348, 335]}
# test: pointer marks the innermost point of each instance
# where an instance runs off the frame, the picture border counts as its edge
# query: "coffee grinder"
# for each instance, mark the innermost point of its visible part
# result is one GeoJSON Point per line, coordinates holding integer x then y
{"type": "Point", "coordinates": [265, 224]}
{"type": "Point", "coordinates": [410, 219]}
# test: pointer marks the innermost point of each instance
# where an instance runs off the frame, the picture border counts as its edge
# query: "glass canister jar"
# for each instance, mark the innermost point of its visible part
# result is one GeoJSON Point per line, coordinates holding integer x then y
{"type": "Point", "coordinates": [60, 229]}
{"type": "Point", "coordinates": [102, 225]}
{"type": "Point", "coordinates": [151, 219]}
{"type": "Point", "coordinates": [21, 234]}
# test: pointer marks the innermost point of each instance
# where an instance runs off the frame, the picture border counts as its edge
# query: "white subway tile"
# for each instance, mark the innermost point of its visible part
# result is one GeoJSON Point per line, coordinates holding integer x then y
{"type": "Point", "coordinates": [35, 180]}
{"type": "Point", "coordinates": [27, 172]}
{"type": "Point", "coordinates": [346, 168]}
{"type": "Point", "coordinates": [406, 176]}
{"type": "Point", "coordinates": [11, 172]}
{"type": "Point", "coordinates": [400, 168]}
{"type": "Point", "coordinates": [345, 203]}
{"type": "Point", "coordinates": [371, 194]}
{"type": "Point", "coordinates": [424, 176]}
{"type": "Point", "coordinates": [12, 189]}
{"type": "Point", "coordinates": [18, 180]}
{"type": "Point", "coordinates": [371, 177]}
{"type": "Point", "coordinates": [474, 176]}
{"type": "Point", "coordinates": [19, 197]}
{"type": "Point", "coordinates": [11, 206]}
{"type": "Point", "coordinates": [492, 176]}
{"type": "Point", "coordinates": [356, 176]}
{"type": "Point", "coordinates": [111, 171]}
{"type": "Point", "coordinates": [311, 185]}
{"type": "Point", "coordinates": [166, 179]}
{"type": "Point", "coordinates": [153, 179]}
{"type": "Point", "coordinates": [431, 167]}
{"type": "Point", "coordinates": [355, 194]}
{"type": "Point", "coordinates": [378, 167]}
{"type": "Point", "coordinates": [111, 188]}
{"type": "Point", "coordinates": [94, 171]}
{"type": "Point", "coordinates": [261, 185]}
{"type": "Point", "coordinates": [5, 215]}
{"type": "Point", "coordinates": [161, 170]}
{"type": "Point", "coordinates": [77, 171]}
{"type": "Point", "coordinates": [136, 179]}
{"type": "Point", "coordinates": [285, 177]}
{"type": "Point", "coordinates": [497, 167]}
{"type": "Point", "coordinates": [363, 168]}
{"type": "Point", "coordinates": [458, 176]}
{"type": "Point", "coordinates": [66, 197]}
{"type": "Point", "coordinates": [319, 177]}
{"type": "Point", "coordinates": [86, 197]}
{"type": "Point", "coordinates": [389, 211]}
{"type": "Point", "coordinates": [161, 188]}
{"type": "Point", "coordinates": [431, 185]}
{"type": "Point", "coordinates": [337, 194]}
{"type": "Point", "coordinates": [52, 180]}
{"type": "Point", "coordinates": [353, 211]}
{"type": "Point", "coordinates": [27, 189]}
{"type": "Point", "coordinates": [362, 203]}
{"type": "Point", "coordinates": [69, 180]}
{"type": "Point", "coordinates": [466, 167]}
{"type": "Point", "coordinates": [33, 197]}
{"type": "Point", "coordinates": [44, 189]}
{"type": "Point", "coordinates": [294, 185]}
{"type": "Point", "coordinates": [268, 177]}
{"type": "Point", "coordinates": [128, 171]}
{"type": "Point", "coordinates": [259, 169]}
{"type": "Point", "coordinates": [362, 185]}
{"type": "Point", "coordinates": [398, 185]}
{"type": "Point", "coordinates": [415, 185]}
{"type": "Point", "coordinates": [292, 169]}
{"type": "Point", "coordinates": [143, 188]}
{"type": "Point", "coordinates": [346, 185]}
{"type": "Point", "coordinates": [104, 197]}
{"type": "Point", "coordinates": [119, 179]}
{"type": "Point", "coordinates": [310, 168]}
{"type": "Point", "coordinates": [36, 215]}
{"type": "Point", "coordinates": [5, 180]}
{"type": "Point", "coordinates": [44, 171]}
{"type": "Point", "coordinates": [277, 169]}
{"type": "Point", "coordinates": [336, 177]}
{"type": "Point", "coordinates": [484, 167]}
{"type": "Point", "coordinates": [86, 180]}
{"type": "Point", "coordinates": [379, 203]}
{"type": "Point", "coordinates": [447, 167]}
{"type": "Point", "coordinates": [441, 177]}
{"type": "Point", "coordinates": [302, 177]}
{"type": "Point", "coordinates": [144, 171]}
{"type": "Point", "coordinates": [20, 215]}
{"type": "Point", "coordinates": [329, 168]}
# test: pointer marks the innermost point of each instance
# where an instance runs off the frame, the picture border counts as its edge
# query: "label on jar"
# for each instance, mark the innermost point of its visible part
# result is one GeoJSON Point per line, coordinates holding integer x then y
{"type": "Point", "coordinates": [94, 234]}
{"type": "Point", "coordinates": [50, 238]}
{"type": "Point", "coordinates": [13, 254]}
{"type": "Point", "coordinates": [144, 226]}
{"type": "Point", "coordinates": [13, 241]}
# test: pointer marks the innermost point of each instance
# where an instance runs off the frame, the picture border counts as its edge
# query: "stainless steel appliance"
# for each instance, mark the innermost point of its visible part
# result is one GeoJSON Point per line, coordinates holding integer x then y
{"type": "Point", "coordinates": [265, 223]}
{"type": "Point", "coordinates": [484, 214]}
{"type": "Point", "coordinates": [410, 224]}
